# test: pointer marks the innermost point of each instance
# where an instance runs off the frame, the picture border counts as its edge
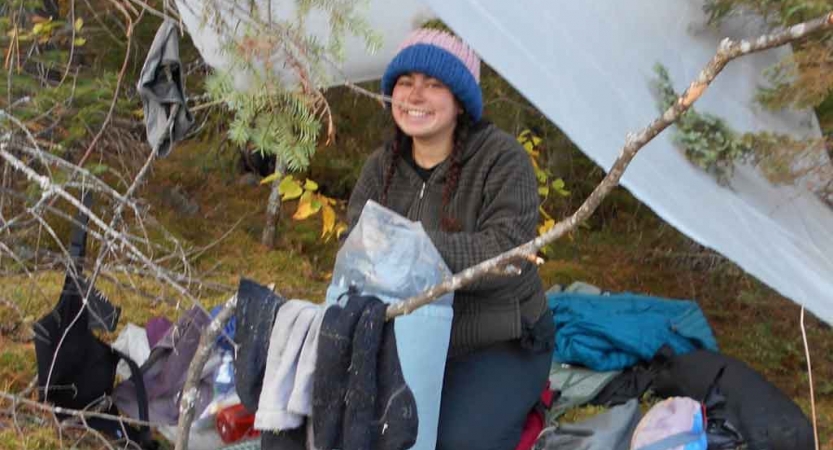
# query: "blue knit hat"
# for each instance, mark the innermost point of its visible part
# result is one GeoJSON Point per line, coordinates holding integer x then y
{"type": "Point", "coordinates": [442, 56]}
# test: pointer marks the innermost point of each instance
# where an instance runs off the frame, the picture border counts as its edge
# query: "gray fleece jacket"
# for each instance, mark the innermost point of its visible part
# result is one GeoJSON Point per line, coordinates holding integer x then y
{"type": "Point", "coordinates": [496, 204]}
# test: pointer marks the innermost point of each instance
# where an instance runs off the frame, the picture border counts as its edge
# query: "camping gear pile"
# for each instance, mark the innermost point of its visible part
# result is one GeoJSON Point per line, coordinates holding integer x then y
{"type": "Point", "coordinates": [614, 349]}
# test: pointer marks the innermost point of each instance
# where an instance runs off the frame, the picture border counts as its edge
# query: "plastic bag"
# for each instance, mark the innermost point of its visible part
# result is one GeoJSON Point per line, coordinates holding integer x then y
{"type": "Point", "coordinates": [387, 255]}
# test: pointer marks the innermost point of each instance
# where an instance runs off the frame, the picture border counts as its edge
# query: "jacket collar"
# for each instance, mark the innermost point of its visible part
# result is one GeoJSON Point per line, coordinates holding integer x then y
{"type": "Point", "coordinates": [477, 137]}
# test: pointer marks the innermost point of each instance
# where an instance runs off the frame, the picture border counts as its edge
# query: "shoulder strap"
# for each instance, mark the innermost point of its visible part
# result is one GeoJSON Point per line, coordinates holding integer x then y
{"type": "Point", "coordinates": [78, 238]}
{"type": "Point", "coordinates": [141, 392]}
{"type": "Point", "coordinates": [675, 440]}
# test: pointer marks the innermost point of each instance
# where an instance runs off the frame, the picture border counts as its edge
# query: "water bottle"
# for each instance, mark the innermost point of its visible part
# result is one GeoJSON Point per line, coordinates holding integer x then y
{"type": "Point", "coordinates": [224, 377]}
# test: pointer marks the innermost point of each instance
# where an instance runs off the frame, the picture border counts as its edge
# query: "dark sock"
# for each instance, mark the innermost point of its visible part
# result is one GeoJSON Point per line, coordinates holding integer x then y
{"type": "Point", "coordinates": [257, 307]}
{"type": "Point", "coordinates": [331, 372]}
{"type": "Point", "coordinates": [294, 439]}
{"type": "Point", "coordinates": [361, 385]}
{"type": "Point", "coordinates": [396, 422]}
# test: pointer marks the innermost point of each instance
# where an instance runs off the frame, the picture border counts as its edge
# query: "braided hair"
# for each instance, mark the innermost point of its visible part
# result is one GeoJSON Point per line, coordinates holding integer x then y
{"type": "Point", "coordinates": [461, 135]}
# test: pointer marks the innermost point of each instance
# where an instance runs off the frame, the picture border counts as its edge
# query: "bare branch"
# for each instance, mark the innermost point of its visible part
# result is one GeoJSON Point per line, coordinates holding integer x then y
{"type": "Point", "coordinates": [190, 389]}
{"type": "Point", "coordinates": [72, 412]}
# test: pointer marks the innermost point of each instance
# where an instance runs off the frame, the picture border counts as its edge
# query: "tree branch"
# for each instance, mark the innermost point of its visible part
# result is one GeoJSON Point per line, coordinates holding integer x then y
{"type": "Point", "coordinates": [727, 51]}
{"type": "Point", "coordinates": [190, 389]}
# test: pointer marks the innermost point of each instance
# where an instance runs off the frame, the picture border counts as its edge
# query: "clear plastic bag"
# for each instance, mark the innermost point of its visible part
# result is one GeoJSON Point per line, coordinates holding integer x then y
{"type": "Point", "coordinates": [388, 256]}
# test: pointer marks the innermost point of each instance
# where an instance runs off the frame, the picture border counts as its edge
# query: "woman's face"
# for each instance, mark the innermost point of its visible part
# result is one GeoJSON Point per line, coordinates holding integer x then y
{"type": "Point", "coordinates": [424, 108]}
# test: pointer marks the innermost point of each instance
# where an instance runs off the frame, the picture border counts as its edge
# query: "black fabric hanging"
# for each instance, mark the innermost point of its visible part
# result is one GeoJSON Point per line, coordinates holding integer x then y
{"type": "Point", "coordinates": [75, 369]}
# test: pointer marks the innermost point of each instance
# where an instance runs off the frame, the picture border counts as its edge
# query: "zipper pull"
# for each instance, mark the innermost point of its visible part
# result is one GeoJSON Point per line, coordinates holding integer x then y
{"type": "Point", "coordinates": [422, 191]}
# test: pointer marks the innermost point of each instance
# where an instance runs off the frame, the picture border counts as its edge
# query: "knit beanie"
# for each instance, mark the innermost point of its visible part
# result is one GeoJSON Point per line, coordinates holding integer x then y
{"type": "Point", "coordinates": [442, 56]}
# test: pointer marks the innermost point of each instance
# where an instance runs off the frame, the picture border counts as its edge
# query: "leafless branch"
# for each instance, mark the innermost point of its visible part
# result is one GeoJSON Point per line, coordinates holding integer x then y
{"type": "Point", "coordinates": [190, 389]}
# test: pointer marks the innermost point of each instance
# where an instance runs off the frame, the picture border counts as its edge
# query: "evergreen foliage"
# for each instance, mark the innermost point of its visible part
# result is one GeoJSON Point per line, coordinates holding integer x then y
{"type": "Point", "coordinates": [271, 116]}
{"type": "Point", "coordinates": [706, 139]}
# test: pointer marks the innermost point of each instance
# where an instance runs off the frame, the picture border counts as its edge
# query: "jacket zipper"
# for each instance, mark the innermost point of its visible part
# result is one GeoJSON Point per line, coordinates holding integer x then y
{"type": "Point", "coordinates": [419, 203]}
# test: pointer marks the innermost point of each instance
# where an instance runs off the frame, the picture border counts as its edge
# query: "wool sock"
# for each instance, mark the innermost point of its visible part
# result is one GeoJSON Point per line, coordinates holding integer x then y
{"type": "Point", "coordinates": [360, 398]}
{"type": "Point", "coordinates": [396, 422]}
{"type": "Point", "coordinates": [330, 378]}
{"type": "Point", "coordinates": [257, 307]}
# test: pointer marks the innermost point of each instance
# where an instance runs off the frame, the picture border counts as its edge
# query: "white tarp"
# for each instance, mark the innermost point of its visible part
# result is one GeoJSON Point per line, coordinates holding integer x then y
{"type": "Point", "coordinates": [393, 20]}
{"type": "Point", "coordinates": [588, 67]}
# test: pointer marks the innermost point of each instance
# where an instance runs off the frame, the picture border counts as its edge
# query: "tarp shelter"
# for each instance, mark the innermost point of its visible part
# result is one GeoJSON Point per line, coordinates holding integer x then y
{"type": "Point", "coordinates": [588, 66]}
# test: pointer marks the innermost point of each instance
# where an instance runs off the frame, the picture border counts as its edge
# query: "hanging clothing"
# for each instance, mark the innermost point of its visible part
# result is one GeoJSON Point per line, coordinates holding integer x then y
{"type": "Point", "coordinates": [257, 307]}
{"type": "Point", "coordinates": [371, 407]}
{"type": "Point", "coordinates": [288, 335]}
{"type": "Point", "coordinates": [617, 331]}
{"type": "Point", "coordinates": [161, 86]}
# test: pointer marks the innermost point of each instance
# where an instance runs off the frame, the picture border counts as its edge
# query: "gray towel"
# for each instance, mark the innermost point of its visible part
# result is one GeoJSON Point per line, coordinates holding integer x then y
{"type": "Point", "coordinates": [161, 88]}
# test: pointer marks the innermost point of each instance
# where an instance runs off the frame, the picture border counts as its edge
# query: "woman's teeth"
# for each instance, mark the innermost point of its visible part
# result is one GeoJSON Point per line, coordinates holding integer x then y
{"type": "Point", "coordinates": [416, 113]}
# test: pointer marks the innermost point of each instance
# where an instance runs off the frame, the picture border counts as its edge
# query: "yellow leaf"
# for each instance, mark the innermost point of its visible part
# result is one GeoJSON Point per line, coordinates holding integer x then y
{"type": "Point", "coordinates": [304, 207]}
{"type": "Point", "coordinates": [79, 23]}
{"type": "Point", "coordinates": [289, 188]}
{"type": "Point", "coordinates": [310, 185]}
{"type": "Point", "coordinates": [328, 223]}
{"type": "Point", "coordinates": [546, 226]}
{"type": "Point", "coordinates": [79, 42]}
{"type": "Point", "coordinates": [270, 179]}
{"type": "Point", "coordinates": [37, 28]}
{"type": "Point", "coordinates": [308, 205]}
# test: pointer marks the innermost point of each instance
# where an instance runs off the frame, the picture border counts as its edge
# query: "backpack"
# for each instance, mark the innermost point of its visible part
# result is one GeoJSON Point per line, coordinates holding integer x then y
{"type": "Point", "coordinates": [75, 369]}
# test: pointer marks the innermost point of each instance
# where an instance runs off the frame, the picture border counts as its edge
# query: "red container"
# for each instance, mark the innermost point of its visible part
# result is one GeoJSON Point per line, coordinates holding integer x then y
{"type": "Point", "coordinates": [235, 423]}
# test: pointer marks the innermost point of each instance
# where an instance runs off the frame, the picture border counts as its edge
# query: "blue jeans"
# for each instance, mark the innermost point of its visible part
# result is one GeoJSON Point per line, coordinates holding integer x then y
{"type": "Point", "coordinates": [487, 395]}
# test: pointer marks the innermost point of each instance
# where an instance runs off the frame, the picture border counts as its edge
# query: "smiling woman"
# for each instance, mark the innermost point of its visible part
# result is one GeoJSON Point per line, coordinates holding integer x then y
{"type": "Point", "coordinates": [473, 188]}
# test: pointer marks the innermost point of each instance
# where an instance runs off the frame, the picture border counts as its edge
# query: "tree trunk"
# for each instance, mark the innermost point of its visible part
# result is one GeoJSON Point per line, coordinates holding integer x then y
{"type": "Point", "coordinates": [273, 209]}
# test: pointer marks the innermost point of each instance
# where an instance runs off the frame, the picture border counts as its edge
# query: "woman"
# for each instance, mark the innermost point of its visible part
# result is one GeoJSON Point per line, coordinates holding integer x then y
{"type": "Point", "coordinates": [473, 188]}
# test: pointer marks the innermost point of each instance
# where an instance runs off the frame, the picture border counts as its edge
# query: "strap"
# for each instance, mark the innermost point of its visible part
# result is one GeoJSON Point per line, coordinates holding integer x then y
{"type": "Point", "coordinates": [141, 392]}
{"type": "Point", "coordinates": [675, 440]}
{"type": "Point", "coordinates": [78, 237]}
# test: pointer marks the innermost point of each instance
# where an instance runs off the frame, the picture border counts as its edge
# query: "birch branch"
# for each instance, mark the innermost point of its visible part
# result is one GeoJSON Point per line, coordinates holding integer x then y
{"type": "Point", "coordinates": [190, 390]}
{"type": "Point", "coordinates": [726, 51]}
{"type": "Point", "coordinates": [18, 400]}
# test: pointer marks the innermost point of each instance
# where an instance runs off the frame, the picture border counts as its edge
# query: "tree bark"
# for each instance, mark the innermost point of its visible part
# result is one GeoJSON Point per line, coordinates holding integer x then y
{"type": "Point", "coordinates": [273, 208]}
